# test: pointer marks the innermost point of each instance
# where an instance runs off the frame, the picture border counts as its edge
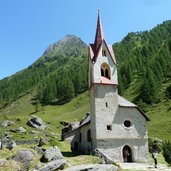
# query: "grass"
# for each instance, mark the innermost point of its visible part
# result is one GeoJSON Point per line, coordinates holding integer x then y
{"type": "Point", "coordinates": [160, 124]}
{"type": "Point", "coordinates": [20, 110]}
{"type": "Point", "coordinates": [11, 165]}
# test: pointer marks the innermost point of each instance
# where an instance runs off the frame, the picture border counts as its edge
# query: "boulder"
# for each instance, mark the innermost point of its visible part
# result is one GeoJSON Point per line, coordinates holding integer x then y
{"type": "Point", "coordinates": [93, 167]}
{"type": "Point", "coordinates": [24, 157]}
{"type": "Point", "coordinates": [53, 165]}
{"type": "Point", "coordinates": [39, 150]}
{"type": "Point", "coordinates": [43, 142]}
{"type": "Point", "coordinates": [36, 122]}
{"type": "Point", "coordinates": [11, 145]}
{"type": "Point", "coordinates": [52, 153]}
{"type": "Point", "coordinates": [6, 123]}
{"type": "Point", "coordinates": [2, 161]}
{"type": "Point", "coordinates": [4, 142]}
{"type": "Point", "coordinates": [21, 130]}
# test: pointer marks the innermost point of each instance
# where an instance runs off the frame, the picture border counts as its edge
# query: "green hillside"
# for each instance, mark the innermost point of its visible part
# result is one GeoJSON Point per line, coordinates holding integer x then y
{"type": "Point", "coordinates": [55, 86]}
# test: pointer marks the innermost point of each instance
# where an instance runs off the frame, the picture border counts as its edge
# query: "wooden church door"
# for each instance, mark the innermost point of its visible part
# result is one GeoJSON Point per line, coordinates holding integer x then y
{"type": "Point", "coordinates": [127, 154]}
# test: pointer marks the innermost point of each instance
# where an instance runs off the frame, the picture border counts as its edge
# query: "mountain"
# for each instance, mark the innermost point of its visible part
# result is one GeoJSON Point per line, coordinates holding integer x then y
{"type": "Point", "coordinates": [144, 64]}
{"type": "Point", "coordinates": [60, 60]}
{"type": "Point", "coordinates": [69, 45]}
{"type": "Point", "coordinates": [59, 76]}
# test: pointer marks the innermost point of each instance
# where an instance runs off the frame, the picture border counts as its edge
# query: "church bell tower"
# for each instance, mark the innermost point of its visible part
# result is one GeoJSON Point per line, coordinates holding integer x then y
{"type": "Point", "coordinates": [103, 86]}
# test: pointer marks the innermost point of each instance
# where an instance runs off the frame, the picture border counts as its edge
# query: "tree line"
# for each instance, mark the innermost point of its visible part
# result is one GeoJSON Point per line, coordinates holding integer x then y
{"type": "Point", "coordinates": [143, 62]}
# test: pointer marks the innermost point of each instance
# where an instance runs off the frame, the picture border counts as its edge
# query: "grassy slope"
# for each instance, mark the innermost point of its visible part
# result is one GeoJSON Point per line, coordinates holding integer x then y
{"type": "Point", "coordinates": [52, 115]}
{"type": "Point", "coordinates": [159, 126]}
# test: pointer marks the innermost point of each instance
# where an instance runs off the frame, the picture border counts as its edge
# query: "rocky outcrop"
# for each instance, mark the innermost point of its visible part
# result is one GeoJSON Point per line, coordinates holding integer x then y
{"type": "Point", "coordinates": [11, 144]}
{"type": "Point", "coordinates": [36, 122]}
{"type": "Point", "coordinates": [25, 157]}
{"type": "Point", "coordinates": [42, 142]}
{"type": "Point", "coordinates": [52, 153]}
{"type": "Point", "coordinates": [39, 150]}
{"type": "Point", "coordinates": [19, 130]}
{"type": "Point", "coordinates": [93, 167]}
{"type": "Point", "coordinates": [53, 165]}
{"type": "Point", "coordinates": [6, 123]}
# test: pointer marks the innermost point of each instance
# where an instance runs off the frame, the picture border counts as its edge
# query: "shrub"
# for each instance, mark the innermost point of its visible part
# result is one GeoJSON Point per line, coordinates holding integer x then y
{"type": "Point", "coordinates": [154, 143]}
{"type": "Point", "coordinates": [166, 147]}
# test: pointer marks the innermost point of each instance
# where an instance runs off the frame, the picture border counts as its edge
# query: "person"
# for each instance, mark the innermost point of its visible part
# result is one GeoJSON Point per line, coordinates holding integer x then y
{"type": "Point", "coordinates": [154, 155]}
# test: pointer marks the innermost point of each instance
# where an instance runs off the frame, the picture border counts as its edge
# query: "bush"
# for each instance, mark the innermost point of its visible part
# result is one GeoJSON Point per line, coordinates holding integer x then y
{"type": "Point", "coordinates": [154, 144]}
{"type": "Point", "coordinates": [166, 147]}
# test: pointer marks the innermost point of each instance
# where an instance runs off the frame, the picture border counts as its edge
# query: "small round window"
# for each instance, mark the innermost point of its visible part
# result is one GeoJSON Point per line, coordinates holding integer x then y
{"type": "Point", "coordinates": [127, 123]}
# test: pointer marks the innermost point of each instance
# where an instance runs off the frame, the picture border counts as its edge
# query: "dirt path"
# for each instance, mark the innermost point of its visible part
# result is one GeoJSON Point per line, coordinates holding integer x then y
{"type": "Point", "coordinates": [144, 167]}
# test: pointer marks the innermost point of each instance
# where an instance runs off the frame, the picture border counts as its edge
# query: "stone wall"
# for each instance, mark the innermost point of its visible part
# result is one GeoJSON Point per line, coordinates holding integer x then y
{"type": "Point", "coordinates": [114, 149]}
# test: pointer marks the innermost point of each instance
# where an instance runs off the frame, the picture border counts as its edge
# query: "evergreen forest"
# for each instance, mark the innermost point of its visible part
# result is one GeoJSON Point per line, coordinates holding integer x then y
{"type": "Point", "coordinates": [143, 63]}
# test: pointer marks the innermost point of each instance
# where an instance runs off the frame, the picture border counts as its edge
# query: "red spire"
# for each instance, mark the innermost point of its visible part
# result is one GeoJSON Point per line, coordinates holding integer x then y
{"type": "Point", "coordinates": [99, 33]}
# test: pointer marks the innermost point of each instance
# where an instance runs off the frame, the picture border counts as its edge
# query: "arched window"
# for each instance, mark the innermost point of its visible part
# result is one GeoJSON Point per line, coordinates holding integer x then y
{"type": "Point", "coordinates": [102, 72]}
{"type": "Point", "coordinates": [103, 52]}
{"type": "Point", "coordinates": [106, 73]}
{"type": "Point", "coordinates": [89, 135]}
{"type": "Point", "coordinates": [105, 70]}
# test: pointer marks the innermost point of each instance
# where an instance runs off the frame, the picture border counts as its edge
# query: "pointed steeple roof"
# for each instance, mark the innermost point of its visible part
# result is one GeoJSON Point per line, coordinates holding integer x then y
{"type": "Point", "coordinates": [99, 41]}
{"type": "Point", "coordinates": [99, 33]}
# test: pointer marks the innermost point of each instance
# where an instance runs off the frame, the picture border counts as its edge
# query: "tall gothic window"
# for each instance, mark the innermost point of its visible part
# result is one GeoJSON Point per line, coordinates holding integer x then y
{"type": "Point", "coordinates": [102, 72]}
{"type": "Point", "coordinates": [105, 70]}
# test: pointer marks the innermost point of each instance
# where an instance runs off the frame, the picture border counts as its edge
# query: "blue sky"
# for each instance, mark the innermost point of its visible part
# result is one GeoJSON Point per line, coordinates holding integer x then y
{"type": "Point", "coordinates": [27, 27]}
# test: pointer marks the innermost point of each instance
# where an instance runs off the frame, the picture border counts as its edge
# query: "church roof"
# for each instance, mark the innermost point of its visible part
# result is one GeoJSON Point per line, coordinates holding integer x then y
{"type": "Point", "coordinates": [99, 33]}
{"type": "Point", "coordinates": [98, 42]}
{"type": "Point", "coordinates": [105, 80]}
{"type": "Point", "coordinates": [125, 103]}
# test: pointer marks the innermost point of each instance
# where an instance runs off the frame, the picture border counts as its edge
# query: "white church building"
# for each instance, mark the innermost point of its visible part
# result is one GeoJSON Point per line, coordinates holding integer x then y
{"type": "Point", "coordinates": [115, 126]}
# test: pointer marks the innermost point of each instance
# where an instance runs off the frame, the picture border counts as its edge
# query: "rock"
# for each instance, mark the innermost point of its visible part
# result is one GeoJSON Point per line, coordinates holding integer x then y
{"type": "Point", "coordinates": [43, 142]}
{"type": "Point", "coordinates": [6, 123]}
{"type": "Point", "coordinates": [11, 145]}
{"type": "Point", "coordinates": [7, 135]}
{"type": "Point", "coordinates": [93, 167]}
{"type": "Point", "coordinates": [35, 132]}
{"type": "Point", "coordinates": [21, 130]}
{"type": "Point", "coordinates": [13, 130]}
{"type": "Point", "coordinates": [2, 161]}
{"type": "Point", "coordinates": [36, 122]}
{"type": "Point", "coordinates": [39, 150]}
{"type": "Point", "coordinates": [53, 165]}
{"type": "Point", "coordinates": [52, 153]}
{"type": "Point", "coordinates": [25, 157]}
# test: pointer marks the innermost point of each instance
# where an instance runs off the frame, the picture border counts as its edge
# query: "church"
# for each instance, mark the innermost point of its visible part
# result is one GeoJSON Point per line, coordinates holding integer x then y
{"type": "Point", "coordinates": [114, 125]}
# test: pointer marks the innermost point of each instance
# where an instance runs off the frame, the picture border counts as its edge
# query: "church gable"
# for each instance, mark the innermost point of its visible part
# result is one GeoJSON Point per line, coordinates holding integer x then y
{"type": "Point", "coordinates": [127, 104]}
{"type": "Point", "coordinates": [104, 50]}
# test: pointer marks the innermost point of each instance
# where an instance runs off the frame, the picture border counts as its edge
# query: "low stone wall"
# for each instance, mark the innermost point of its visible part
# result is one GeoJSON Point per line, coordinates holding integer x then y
{"type": "Point", "coordinates": [21, 142]}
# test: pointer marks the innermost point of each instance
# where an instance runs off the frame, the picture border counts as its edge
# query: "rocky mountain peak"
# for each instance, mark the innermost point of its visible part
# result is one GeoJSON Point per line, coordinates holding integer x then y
{"type": "Point", "coordinates": [68, 44]}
